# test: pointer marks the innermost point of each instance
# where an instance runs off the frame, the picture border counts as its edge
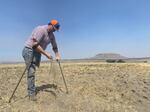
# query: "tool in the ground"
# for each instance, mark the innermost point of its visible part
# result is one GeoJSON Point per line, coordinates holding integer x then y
{"type": "Point", "coordinates": [62, 76]}
{"type": "Point", "coordinates": [18, 84]}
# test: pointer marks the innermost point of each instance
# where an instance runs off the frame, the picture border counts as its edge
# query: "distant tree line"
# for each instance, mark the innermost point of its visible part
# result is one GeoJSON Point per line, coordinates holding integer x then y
{"type": "Point", "coordinates": [115, 61]}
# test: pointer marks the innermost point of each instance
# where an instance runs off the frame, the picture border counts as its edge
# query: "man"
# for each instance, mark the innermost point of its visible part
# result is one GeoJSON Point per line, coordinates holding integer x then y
{"type": "Point", "coordinates": [34, 47]}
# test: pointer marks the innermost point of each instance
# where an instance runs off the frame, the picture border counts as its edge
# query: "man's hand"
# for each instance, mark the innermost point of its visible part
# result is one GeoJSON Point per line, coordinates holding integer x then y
{"type": "Point", "coordinates": [48, 55]}
{"type": "Point", "coordinates": [57, 56]}
{"type": "Point", "coordinates": [40, 50]}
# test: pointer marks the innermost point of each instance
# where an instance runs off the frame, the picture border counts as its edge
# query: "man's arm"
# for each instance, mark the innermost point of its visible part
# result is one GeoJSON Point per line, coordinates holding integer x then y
{"type": "Point", "coordinates": [39, 49]}
{"type": "Point", "coordinates": [55, 48]}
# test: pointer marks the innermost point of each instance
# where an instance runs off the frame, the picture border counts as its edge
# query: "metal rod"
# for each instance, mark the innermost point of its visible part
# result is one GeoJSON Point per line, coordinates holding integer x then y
{"type": "Point", "coordinates": [17, 84]}
{"type": "Point", "coordinates": [63, 76]}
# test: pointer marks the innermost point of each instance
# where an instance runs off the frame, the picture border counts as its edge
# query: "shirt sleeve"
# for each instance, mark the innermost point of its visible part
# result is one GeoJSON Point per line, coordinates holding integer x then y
{"type": "Point", "coordinates": [54, 44]}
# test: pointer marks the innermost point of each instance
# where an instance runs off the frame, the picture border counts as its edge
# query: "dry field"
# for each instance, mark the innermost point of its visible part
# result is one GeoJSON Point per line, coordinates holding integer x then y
{"type": "Point", "coordinates": [93, 87]}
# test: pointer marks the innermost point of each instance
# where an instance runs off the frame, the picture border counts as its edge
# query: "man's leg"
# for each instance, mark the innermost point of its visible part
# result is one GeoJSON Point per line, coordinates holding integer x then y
{"type": "Point", "coordinates": [28, 57]}
{"type": "Point", "coordinates": [32, 60]}
{"type": "Point", "coordinates": [31, 79]}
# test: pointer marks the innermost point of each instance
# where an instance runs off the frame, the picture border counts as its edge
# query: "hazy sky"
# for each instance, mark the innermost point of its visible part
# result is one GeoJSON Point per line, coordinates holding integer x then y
{"type": "Point", "coordinates": [88, 27]}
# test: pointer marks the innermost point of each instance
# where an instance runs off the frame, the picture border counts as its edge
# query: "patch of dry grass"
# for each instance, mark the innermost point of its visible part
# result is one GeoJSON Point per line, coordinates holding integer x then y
{"type": "Point", "coordinates": [93, 87]}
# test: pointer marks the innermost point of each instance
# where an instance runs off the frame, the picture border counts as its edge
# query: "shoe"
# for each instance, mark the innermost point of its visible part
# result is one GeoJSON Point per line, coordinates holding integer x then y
{"type": "Point", "coordinates": [32, 98]}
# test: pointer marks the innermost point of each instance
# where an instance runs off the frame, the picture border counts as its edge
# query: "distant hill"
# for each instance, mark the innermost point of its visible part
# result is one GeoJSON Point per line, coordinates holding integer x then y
{"type": "Point", "coordinates": [109, 56]}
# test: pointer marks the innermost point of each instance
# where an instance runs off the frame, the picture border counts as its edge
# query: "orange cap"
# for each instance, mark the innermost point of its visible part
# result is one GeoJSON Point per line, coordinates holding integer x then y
{"type": "Point", "coordinates": [55, 23]}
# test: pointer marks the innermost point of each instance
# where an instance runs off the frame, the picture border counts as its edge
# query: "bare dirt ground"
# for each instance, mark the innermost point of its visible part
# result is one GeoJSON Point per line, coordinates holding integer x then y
{"type": "Point", "coordinates": [93, 87]}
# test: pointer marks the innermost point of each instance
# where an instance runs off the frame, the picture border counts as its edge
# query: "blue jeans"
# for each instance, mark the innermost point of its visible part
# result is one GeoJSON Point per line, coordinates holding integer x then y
{"type": "Point", "coordinates": [32, 59]}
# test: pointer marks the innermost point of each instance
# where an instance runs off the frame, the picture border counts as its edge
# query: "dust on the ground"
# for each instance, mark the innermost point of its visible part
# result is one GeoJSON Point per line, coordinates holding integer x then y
{"type": "Point", "coordinates": [93, 87]}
